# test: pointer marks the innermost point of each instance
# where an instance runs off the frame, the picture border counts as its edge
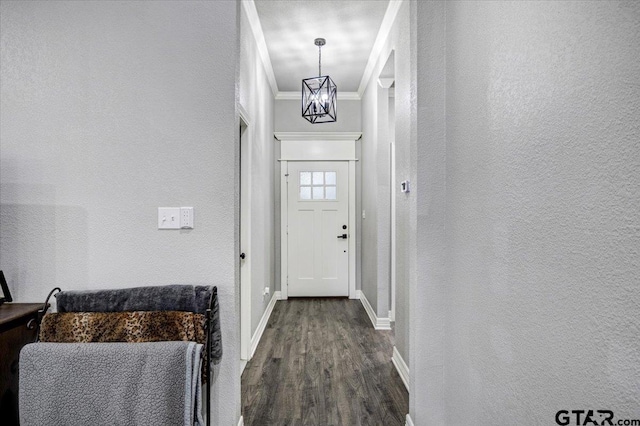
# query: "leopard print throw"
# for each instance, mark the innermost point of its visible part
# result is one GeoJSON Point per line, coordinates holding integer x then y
{"type": "Point", "coordinates": [132, 327]}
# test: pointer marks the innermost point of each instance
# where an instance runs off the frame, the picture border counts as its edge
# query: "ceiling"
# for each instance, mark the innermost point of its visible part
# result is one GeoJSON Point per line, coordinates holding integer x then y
{"type": "Point", "coordinates": [291, 26]}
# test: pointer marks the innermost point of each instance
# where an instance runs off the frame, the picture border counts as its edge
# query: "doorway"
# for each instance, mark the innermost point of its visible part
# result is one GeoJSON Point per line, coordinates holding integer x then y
{"type": "Point", "coordinates": [318, 214]}
{"type": "Point", "coordinates": [386, 131]}
{"type": "Point", "coordinates": [245, 240]}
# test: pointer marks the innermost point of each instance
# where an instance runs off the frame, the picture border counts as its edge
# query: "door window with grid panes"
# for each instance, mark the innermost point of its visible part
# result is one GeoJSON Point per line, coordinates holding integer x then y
{"type": "Point", "coordinates": [317, 186]}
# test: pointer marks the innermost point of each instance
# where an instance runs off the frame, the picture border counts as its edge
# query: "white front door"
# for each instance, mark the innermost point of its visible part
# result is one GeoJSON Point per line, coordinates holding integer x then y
{"type": "Point", "coordinates": [318, 233]}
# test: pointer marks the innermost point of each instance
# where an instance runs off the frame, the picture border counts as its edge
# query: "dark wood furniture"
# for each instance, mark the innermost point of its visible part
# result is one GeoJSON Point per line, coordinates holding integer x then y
{"type": "Point", "coordinates": [17, 328]}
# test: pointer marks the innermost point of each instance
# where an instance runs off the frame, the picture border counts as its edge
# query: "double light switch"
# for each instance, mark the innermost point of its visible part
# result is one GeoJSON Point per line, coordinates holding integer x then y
{"type": "Point", "coordinates": [175, 217]}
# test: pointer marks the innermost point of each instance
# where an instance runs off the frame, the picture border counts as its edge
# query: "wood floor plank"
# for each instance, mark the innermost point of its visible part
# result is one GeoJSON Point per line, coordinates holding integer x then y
{"type": "Point", "coordinates": [320, 362]}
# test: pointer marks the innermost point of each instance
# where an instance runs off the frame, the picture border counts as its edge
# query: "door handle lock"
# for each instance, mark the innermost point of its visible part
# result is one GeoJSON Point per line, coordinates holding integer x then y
{"type": "Point", "coordinates": [344, 236]}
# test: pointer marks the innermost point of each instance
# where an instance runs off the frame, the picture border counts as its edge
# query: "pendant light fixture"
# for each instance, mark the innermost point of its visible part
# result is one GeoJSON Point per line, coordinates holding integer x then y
{"type": "Point", "coordinates": [319, 94]}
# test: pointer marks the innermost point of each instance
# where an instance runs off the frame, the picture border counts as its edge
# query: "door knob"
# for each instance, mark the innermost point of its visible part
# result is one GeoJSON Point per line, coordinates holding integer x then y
{"type": "Point", "coordinates": [242, 255]}
{"type": "Point", "coordinates": [343, 236]}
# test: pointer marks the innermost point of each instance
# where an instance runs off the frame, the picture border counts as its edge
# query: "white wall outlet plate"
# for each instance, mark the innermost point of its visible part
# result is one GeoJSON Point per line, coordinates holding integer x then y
{"type": "Point", "coordinates": [168, 217]}
{"type": "Point", "coordinates": [186, 217]}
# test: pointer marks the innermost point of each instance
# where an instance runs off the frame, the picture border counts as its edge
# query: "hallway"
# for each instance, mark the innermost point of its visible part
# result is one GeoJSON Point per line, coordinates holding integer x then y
{"type": "Point", "coordinates": [320, 362]}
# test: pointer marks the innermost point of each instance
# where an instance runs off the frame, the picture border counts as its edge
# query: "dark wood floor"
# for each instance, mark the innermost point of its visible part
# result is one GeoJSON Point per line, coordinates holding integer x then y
{"type": "Point", "coordinates": [320, 362]}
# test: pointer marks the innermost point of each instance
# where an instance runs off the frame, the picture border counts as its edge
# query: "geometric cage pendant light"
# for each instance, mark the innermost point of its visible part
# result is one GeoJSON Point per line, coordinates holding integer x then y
{"type": "Point", "coordinates": [319, 94]}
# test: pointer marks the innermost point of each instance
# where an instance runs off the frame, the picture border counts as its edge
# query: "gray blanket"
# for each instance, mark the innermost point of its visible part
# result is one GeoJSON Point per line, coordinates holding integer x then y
{"type": "Point", "coordinates": [175, 297]}
{"type": "Point", "coordinates": [110, 384]}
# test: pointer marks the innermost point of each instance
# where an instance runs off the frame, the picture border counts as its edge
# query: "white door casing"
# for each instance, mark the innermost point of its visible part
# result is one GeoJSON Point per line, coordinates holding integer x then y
{"type": "Point", "coordinates": [318, 146]}
{"type": "Point", "coordinates": [318, 229]}
{"type": "Point", "coordinates": [245, 236]}
{"type": "Point", "coordinates": [392, 310]}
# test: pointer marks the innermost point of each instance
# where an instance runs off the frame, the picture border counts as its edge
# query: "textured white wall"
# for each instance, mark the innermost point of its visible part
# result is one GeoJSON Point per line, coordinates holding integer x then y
{"type": "Point", "coordinates": [288, 117]}
{"type": "Point", "coordinates": [405, 163]}
{"type": "Point", "coordinates": [108, 111]}
{"type": "Point", "coordinates": [376, 183]}
{"type": "Point", "coordinates": [540, 215]}
{"type": "Point", "coordinates": [257, 100]}
{"type": "Point", "coordinates": [427, 283]}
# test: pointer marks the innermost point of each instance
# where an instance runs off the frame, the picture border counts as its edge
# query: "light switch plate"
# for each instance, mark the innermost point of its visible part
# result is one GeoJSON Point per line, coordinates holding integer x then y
{"type": "Point", "coordinates": [168, 217]}
{"type": "Point", "coordinates": [404, 186]}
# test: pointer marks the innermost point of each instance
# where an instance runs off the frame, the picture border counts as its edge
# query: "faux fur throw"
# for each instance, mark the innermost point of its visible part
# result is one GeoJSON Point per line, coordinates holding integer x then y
{"type": "Point", "coordinates": [132, 327]}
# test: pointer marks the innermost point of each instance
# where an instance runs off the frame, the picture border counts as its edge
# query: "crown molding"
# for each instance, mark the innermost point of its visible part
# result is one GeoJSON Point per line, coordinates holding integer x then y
{"type": "Point", "coordinates": [381, 39]}
{"type": "Point", "coordinates": [317, 136]}
{"type": "Point", "coordinates": [296, 96]}
{"type": "Point", "coordinates": [249, 8]}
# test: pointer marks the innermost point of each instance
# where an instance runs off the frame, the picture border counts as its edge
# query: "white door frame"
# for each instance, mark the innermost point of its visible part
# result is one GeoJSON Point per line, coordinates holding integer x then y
{"type": "Point", "coordinates": [317, 146]}
{"type": "Point", "coordinates": [392, 311]}
{"type": "Point", "coordinates": [245, 227]}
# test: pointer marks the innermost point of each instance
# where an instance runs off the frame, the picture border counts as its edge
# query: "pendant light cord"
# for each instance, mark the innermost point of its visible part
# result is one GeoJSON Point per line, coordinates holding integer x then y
{"type": "Point", "coordinates": [319, 61]}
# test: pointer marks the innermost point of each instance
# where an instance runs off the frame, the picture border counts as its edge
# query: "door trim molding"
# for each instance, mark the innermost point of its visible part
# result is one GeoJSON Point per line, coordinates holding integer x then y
{"type": "Point", "coordinates": [378, 323]}
{"type": "Point", "coordinates": [393, 236]}
{"type": "Point", "coordinates": [316, 146]}
{"type": "Point", "coordinates": [352, 230]}
{"type": "Point", "coordinates": [317, 136]}
{"type": "Point", "coordinates": [244, 115]}
{"type": "Point", "coordinates": [409, 422]}
{"type": "Point", "coordinates": [245, 228]}
{"type": "Point", "coordinates": [284, 232]}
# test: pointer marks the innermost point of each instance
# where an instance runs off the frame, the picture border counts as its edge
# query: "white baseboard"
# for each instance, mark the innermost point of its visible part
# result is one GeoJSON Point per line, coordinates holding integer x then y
{"type": "Point", "coordinates": [401, 366]}
{"type": "Point", "coordinates": [241, 421]}
{"type": "Point", "coordinates": [409, 421]}
{"type": "Point", "coordinates": [378, 323]}
{"type": "Point", "coordinates": [278, 295]}
{"type": "Point", "coordinates": [255, 339]}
